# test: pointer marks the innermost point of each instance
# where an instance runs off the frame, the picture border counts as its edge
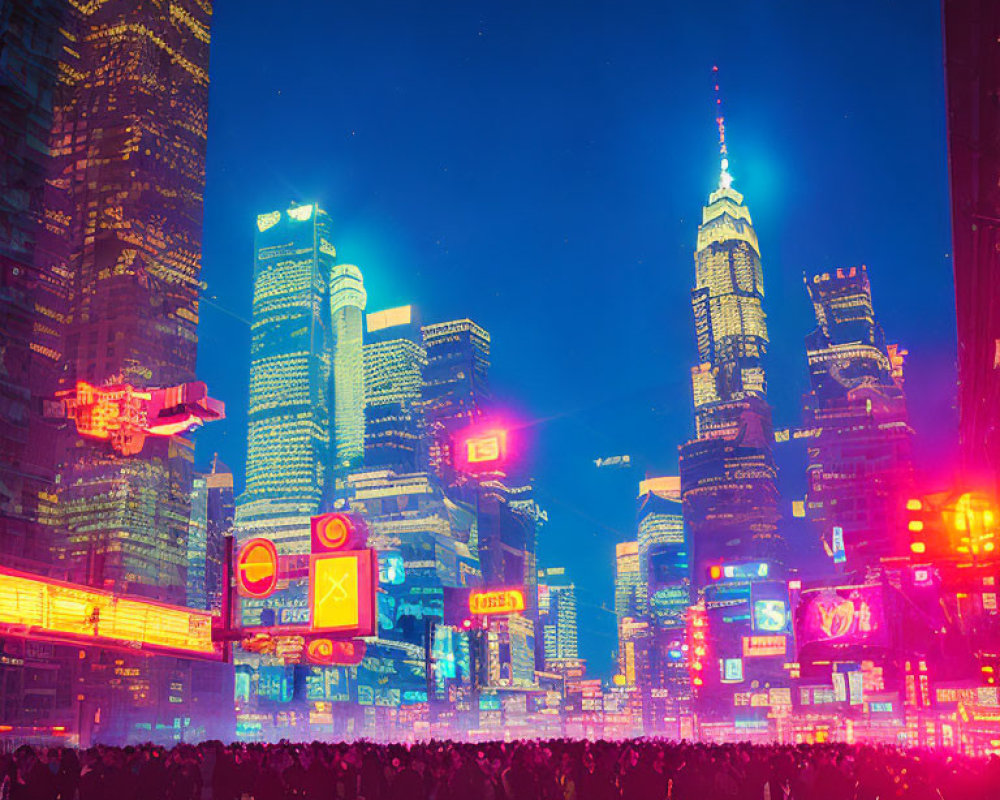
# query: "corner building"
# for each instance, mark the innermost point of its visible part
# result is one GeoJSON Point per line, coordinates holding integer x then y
{"type": "Point", "coordinates": [728, 475]}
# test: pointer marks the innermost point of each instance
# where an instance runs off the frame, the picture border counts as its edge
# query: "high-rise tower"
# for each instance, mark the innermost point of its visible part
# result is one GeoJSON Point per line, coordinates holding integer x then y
{"type": "Point", "coordinates": [394, 360]}
{"type": "Point", "coordinates": [288, 447]}
{"type": "Point", "coordinates": [347, 306]}
{"type": "Point", "coordinates": [123, 226]}
{"type": "Point", "coordinates": [859, 463]}
{"type": "Point", "coordinates": [728, 476]}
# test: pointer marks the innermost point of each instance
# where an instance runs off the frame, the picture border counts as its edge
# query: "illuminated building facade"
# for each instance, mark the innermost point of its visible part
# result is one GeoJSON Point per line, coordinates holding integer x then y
{"type": "Point", "coordinates": [628, 591]}
{"type": "Point", "coordinates": [347, 307]}
{"type": "Point", "coordinates": [557, 614]}
{"type": "Point", "coordinates": [506, 525]}
{"type": "Point", "coordinates": [728, 475]}
{"type": "Point", "coordinates": [394, 360]}
{"type": "Point", "coordinates": [665, 583]}
{"type": "Point", "coordinates": [212, 512]}
{"type": "Point", "coordinates": [972, 80]}
{"type": "Point", "coordinates": [859, 464]}
{"type": "Point", "coordinates": [289, 454]}
{"type": "Point", "coordinates": [456, 386]}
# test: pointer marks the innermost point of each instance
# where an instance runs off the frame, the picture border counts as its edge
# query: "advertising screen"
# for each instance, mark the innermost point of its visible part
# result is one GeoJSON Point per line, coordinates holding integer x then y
{"type": "Point", "coordinates": [841, 616]}
{"type": "Point", "coordinates": [770, 615]}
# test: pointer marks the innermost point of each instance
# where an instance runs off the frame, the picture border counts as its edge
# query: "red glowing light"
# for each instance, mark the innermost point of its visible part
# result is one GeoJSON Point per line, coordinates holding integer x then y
{"type": "Point", "coordinates": [482, 448]}
{"type": "Point", "coordinates": [125, 416]}
{"type": "Point", "coordinates": [326, 651]}
{"type": "Point", "coordinates": [257, 569]}
{"type": "Point", "coordinates": [715, 572]}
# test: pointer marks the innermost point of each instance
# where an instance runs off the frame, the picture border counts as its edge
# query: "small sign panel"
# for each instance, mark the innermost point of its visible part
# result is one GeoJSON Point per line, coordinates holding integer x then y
{"type": "Point", "coordinates": [257, 569]}
{"type": "Point", "coordinates": [497, 601]}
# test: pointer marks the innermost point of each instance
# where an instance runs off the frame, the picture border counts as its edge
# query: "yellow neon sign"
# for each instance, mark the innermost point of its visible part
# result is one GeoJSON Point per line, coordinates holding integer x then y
{"type": "Point", "coordinates": [30, 604]}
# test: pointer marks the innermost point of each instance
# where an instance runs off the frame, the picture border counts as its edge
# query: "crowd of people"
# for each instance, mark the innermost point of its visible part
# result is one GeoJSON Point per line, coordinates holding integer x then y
{"type": "Point", "coordinates": [528, 770]}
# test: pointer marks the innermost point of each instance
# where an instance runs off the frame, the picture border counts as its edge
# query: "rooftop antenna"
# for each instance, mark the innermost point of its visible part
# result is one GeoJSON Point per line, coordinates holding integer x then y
{"type": "Point", "coordinates": [725, 179]}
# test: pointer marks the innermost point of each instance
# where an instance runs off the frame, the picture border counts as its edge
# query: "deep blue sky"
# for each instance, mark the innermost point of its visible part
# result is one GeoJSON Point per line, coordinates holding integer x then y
{"type": "Point", "coordinates": [541, 167]}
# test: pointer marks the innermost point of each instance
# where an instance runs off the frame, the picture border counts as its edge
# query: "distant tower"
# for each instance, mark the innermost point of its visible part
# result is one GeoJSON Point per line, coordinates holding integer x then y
{"type": "Point", "coordinates": [859, 464]}
{"type": "Point", "coordinates": [728, 476]}
{"type": "Point", "coordinates": [347, 305]}
{"type": "Point", "coordinates": [394, 362]}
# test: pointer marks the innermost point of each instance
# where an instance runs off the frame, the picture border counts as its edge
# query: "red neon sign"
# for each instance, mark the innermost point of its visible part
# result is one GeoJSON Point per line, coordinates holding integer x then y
{"type": "Point", "coordinates": [337, 531]}
{"type": "Point", "coordinates": [497, 601]}
{"type": "Point", "coordinates": [764, 646]}
{"type": "Point", "coordinates": [480, 448]}
{"type": "Point", "coordinates": [257, 569]}
{"type": "Point", "coordinates": [335, 651]}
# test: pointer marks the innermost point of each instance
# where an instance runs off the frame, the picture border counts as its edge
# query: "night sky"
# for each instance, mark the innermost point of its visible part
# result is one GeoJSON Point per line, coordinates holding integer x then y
{"type": "Point", "coordinates": [542, 171]}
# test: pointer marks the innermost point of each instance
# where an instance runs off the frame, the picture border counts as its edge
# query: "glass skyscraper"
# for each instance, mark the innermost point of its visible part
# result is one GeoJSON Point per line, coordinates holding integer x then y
{"type": "Point", "coordinates": [557, 614]}
{"type": "Point", "coordinates": [347, 306]}
{"type": "Point", "coordinates": [394, 360]}
{"type": "Point", "coordinates": [289, 455]}
{"type": "Point", "coordinates": [456, 385]}
{"type": "Point", "coordinates": [728, 476]}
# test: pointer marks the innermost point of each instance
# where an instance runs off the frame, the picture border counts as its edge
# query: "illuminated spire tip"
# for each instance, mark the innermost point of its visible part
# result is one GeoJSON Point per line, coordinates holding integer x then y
{"type": "Point", "coordinates": [725, 179]}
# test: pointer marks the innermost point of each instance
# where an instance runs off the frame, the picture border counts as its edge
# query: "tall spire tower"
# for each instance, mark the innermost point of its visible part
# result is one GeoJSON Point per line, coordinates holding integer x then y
{"type": "Point", "coordinates": [728, 476]}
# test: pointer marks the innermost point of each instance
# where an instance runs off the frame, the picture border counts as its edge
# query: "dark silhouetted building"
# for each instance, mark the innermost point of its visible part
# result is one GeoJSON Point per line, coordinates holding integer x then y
{"type": "Point", "coordinates": [859, 457]}
{"type": "Point", "coordinates": [972, 75]}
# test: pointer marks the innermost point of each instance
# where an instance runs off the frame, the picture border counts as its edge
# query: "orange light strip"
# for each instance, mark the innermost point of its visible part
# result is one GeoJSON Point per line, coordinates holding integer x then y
{"type": "Point", "coordinates": [35, 606]}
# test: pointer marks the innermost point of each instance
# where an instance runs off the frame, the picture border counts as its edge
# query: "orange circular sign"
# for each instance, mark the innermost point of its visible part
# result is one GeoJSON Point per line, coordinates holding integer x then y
{"type": "Point", "coordinates": [257, 568]}
{"type": "Point", "coordinates": [333, 531]}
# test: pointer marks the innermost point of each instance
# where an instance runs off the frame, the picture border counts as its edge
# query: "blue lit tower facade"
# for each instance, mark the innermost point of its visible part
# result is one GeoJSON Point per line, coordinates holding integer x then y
{"type": "Point", "coordinates": [456, 386]}
{"type": "Point", "coordinates": [860, 470]}
{"type": "Point", "coordinates": [394, 360]}
{"type": "Point", "coordinates": [728, 475]}
{"type": "Point", "coordinates": [289, 442]}
{"type": "Point", "coordinates": [347, 307]}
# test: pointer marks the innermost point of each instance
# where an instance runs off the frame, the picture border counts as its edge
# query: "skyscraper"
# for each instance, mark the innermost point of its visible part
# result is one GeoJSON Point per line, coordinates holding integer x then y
{"type": "Point", "coordinates": [557, 613]}
{"type": "Point", "coordinates": [123, 226]}
{"type": "Point", "coordinates": [628, 597]}
{"type": "Point", "coordinates": [32, 36]}
{"type": "Point", "coordinates": [394, 359]}
{"type": "Point", "coordinates": [972, 75]}
{"type": "Point", "coordinates": [859, 463]}
{"type": "Point", "coordinates": [289, 443]}
{"type": "Point", "coordinates": [664, 554]}
{"type": "Point", "coordinates": [728, 476]}
{"type": "Point", "coordinates": [347, 306]}
{"type": "Point", "coordinates": [456, 385]}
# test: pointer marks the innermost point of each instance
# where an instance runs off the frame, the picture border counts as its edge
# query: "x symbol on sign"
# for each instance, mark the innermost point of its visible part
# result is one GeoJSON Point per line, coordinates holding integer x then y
{"type": "Point", "coordinates": [336, 588]}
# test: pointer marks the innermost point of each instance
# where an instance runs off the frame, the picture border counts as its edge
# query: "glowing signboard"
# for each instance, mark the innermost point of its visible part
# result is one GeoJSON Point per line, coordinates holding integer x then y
{"type": "Point", "coordinates": [496, 601]}
{"type": "Point", "coordinates": [35, 606]}
{"type": "Point", "coordinates": [320, 650]}
{"type": "Point", "coordinates": [342, 589]}
{"type": "Point", "coordinates": [336, 531]}
{"type": "Point", "coordinates": [257, 569]}
{"type": "Point", "coordinates": [757, 646]}
{"type": "Point", "coordinates": [481, 448]}
{"type": "Point", "coordinates": [841, 615]}
{"type": "Point", "coordinates": [839, 551]}
{"type": "Point", "coordinates": [125, 416]}
{"type": "Point", "coordinates": [770, 615]}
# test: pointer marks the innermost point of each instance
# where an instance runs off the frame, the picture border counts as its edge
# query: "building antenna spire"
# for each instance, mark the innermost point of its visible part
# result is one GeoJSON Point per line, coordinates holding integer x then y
{"type": "Point", "coordinates": [725, 179]}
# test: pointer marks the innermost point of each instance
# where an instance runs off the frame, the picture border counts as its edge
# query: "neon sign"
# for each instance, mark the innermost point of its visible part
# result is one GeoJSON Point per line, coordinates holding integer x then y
{"type": "Point", "coordinates": [497, 601]}
{"type": "Point", "coordinates": [481, 448]}
{"type": "Point", "coordinates": [759, 646]}
{"type": "Point", "coordinates": [126, 416]}
{"type": "Point", "coordinates": [257, 569]}
{"type": "Point", "coordinates": [41, 607]}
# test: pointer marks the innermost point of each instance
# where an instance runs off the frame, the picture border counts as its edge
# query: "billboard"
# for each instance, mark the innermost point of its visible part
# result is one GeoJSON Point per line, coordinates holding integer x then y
{"type": "Point", "coordinates": [841, 616]}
